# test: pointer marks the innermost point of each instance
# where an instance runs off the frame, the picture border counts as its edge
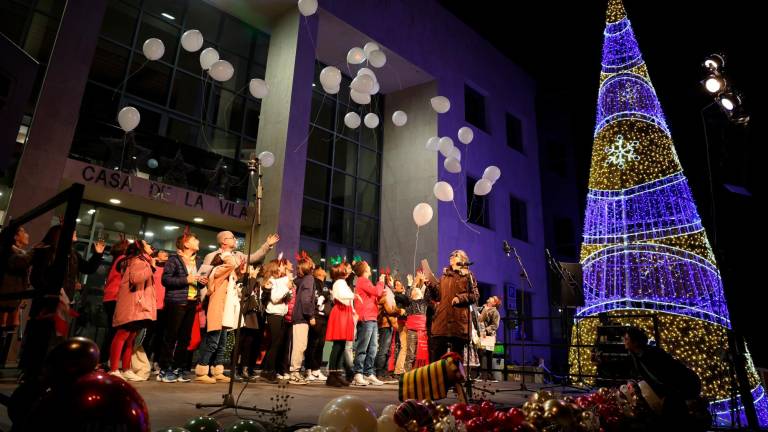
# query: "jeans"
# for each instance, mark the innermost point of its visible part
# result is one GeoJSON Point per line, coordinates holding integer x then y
{"type": "Point", "coordinates": [212, 348]}
{"type": "Point", "coordinates": [178, 331]}
{"type": "Point", "coordinates": [366, 345]}
{"type": "Point", "coordinates": [382, 356]}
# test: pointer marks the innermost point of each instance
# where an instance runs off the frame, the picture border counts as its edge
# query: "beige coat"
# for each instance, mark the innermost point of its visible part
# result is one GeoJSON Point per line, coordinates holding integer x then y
{"type": "Point", "coordinates": [217, 291]}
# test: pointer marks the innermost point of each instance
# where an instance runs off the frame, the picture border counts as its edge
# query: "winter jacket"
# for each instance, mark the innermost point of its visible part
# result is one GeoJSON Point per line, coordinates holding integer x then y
{"type": "Point", "coordinates": [389, 312]}
{"type": "Point", "coordinates": [175, 281]}
{"type": "Point", "coordinates": [112, 286]}
{"type": "Point", "coordinates": [304, 308]}
{"type": "Point", "coordinates": [489, 321]}
{"type": "Point", "coordinates": [324, 300]}
{"type": "Point", "coordinates": [451, 320]}
{"type": "Point", "coordinates": [278, 296]}
{"type": "Point", "coordinates": [218, 285]}
{"type": "Point", "coordinates": [368, 309]}
{"type": "Point", "coordinates": [136, 297]}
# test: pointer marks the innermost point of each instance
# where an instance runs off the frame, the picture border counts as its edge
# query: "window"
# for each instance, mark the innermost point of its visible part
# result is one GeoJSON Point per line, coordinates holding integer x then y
{"type": "Point", "coordinates": [485, 290]}
{"type": "Point", "coordinates": [342, 184]}
{"type": "Point", "coordinates": [474, 108]}
{"type": "Point", "coordinates": [520, 312]}
{"type": "Point", "coordinates": [518, 215]}
{"type": "Point", "coordinates": [478, 210]}
{"type": "Point", "coordinates": [514, 132]}
{"type": "Point", "coordinates": [564, 237]}
{"type": "Point", "coordinates": [183, 111]}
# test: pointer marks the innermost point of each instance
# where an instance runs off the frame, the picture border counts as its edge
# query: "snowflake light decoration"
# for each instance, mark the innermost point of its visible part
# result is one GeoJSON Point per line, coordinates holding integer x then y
{"type": "Point", "coordinates": [621, 152]}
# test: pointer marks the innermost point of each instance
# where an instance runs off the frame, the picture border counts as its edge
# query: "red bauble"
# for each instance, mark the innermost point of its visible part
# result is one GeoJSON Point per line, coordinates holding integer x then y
{"type": "Point", "coordinates": [500, 418]}
{"type": "Point", "coordinates": [515, 416]}
{"type": "Point", "coordinates": [487, 409]}
{"type": "Point", "coordinates": [477, 424]}
{"type": "Point", "coordinates": [70, 360]}
{"type": "Point", "coordinates": [95, 401]}
{"type": "Point", "coordinates": [459, 410]}
{"type": "Point", "coordinates": [473, 411]}
{"type": "Point", "coordinates": [583, 402]}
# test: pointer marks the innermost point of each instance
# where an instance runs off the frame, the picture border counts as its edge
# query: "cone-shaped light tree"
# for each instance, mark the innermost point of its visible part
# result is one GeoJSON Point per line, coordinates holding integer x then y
{"type": "Point", "coordinates": [645, 249]}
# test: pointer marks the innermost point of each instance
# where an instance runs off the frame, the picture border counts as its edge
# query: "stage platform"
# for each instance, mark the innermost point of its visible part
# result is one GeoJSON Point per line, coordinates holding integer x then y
{"type": "Point", "coordinates": [173, 404]}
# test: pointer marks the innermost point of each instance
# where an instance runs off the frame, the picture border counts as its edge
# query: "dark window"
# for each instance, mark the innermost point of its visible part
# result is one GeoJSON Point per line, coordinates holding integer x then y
{"type": "Point", "coordinates": [564, 237]}
{"type": "Point", "coordinates": [514, 132]}
{"type": "Point", "coordinates": [518, 215]}
{"type": "Point", "coordinates": [485, 290]}
{"type": "Point", "coordinates": [478, 210]}
{"type": "Point", "coordinates": [342, 177]}
{"type": "Point", "coordinates": [474, 108]}
{"type": "Point", "coordinates": [523, 312]}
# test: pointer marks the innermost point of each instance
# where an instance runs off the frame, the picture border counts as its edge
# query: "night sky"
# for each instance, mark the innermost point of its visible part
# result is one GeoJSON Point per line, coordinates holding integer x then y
{"type": "Point", "coordinates": [559, 43]}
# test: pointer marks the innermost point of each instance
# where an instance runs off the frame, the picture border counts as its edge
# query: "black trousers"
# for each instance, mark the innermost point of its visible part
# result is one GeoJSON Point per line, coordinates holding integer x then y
{"type": "Point", "coordinates": [277, 330]}
{"type": "Point", "coordinates": [178, 331]}
{"type": "Point", "coordinates": [315, 344]}
{"type": "Point", "coordinates": [439, 345]}
{"type": "Point", "coordinates": [248, 347]}
{"type": "Point", "coordinates": [153, 340]}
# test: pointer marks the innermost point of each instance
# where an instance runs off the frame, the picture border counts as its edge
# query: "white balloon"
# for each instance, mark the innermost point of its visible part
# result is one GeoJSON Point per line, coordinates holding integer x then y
{"type": "Point", "coordinates": [153, 48]}
{"type": "Point", "coordinates": [483, 187]}
{"type": "Point", "coordinates": [192, 40]}
{"type": "Point", "coordinates": [445, 145]}
{"type": "Point", "coordinates": [307, 7]}
{"type": "Point", "coordinates": [332, 90]}
{"type": "Point", "coordinates": [399, 118]}
{"type": "Point", "coordinates": [387, 424]}
{"type": "Point", "coordinates": [119, 225]}
{"type": "Point", "coordinates": [452, 165]}
{"type": "Point", "coordinates": [377, 58]}
{"type": "Point", "coordinates": [221, 70]}
{"type": "Point", "coordinates": [492, 173]}
{"type": "Point", "coordinates": [371, 120]}
{"type": "Point", "coordinates": [360, 98]}
{"type": "Point", "coordinates": [366, 71]}
{"type": "Point", "coordinates": [266, 158]}
{"type": "Point", "coordinates": [433, 143]}
{"type": "Point", "coordinates": [370, 46]}
{"type": "Point", "coordinates": [443, 191]}
{"type": "Point", "coordinates": [355, 55]}
{"type": "Point", "coordinates": [128, 118]}
{"type": "Point", "coordinates": [422, 214]}
{"type": "Point", "coordinates": [376, 88]}
{"type": "Point", "coordinates": [441, 104]}
{"type": "Point", "coordinates": [363, 84]}
{"type": "Point", "coordinates": [466, 135]}
{"type": "Point", "coordinates": [330, 77]}
{"type": "Point", "coordinates": [258, 88]}
{"type": "Point", "coordinates": [352, 120]}
{"type": "Point", "coordinates": [347, 413]}
{"type": "Point", "coordinates": [208, 57]}
{"type": "Point", "coordinates": [455, 153]}
{"type": "Point", "coordinates": [389, 410]}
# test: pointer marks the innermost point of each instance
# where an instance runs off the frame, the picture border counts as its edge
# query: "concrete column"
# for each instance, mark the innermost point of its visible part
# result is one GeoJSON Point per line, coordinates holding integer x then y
{"type": "Point", "coordinates": [41, 167]}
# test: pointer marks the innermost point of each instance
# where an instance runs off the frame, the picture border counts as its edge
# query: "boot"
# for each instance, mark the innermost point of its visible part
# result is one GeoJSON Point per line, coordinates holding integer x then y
{"type": "Point", "coordinates": [218, 374]}
{"type": "Point", "coordinates": [335, 380]}
{"type": "Point", "coordinates": [201, 375]}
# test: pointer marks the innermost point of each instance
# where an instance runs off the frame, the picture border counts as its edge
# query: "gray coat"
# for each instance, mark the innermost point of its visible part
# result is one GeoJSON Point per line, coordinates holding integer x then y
{"type": "Point", "coordinates": [489, 321]}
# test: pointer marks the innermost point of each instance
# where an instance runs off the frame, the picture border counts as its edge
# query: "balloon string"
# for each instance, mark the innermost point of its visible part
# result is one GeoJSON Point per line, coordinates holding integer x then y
{"type": "Point", "coordinates": [312, 125]}
{"type": "Point", "coordinates": [463, 221]}
{"type": "Point", "coordinates": [204, 77]}
{"type": "Point", "coordinates": [229, 105]}
{"type": "Point", "coordinates": [416, 249]}
{"type": "Point", "coordinates": [125, 81]}
{"type": "Point", "coordinates": [311, 38]}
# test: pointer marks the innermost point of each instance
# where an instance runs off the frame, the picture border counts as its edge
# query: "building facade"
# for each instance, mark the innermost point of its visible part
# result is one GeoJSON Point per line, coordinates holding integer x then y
{"type": "Point", "coordinates": [332, 190]}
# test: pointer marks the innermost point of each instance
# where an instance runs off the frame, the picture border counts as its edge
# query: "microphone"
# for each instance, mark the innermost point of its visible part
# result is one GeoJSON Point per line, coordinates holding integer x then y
{"type": "Point", "coordinates": [507, 247]}
{"type": "Point", "coordinates": [252, 161]}
{"type": "Point", "coordinates": [465, 264]}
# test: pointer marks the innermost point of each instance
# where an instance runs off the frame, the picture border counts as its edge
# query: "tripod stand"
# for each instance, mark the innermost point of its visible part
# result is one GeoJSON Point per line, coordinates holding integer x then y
{"type": "Point", "coordinates": [254, 169]}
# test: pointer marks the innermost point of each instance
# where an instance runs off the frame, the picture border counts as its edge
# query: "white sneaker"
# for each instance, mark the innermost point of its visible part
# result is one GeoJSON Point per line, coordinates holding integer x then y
{"type": "Point", "coordinates": [358, 380]}
{"type": "Point", "coordinates": [283, 377]}
{"type": "Point", "coordinates": [373, 380]}
{"type": "Point", "coordinates": [310, 377]}
{"type": "Point", "coordinates": [319, 375]}
{"type": "Point", "coordinates": [130, 375]}
{"type": "Point", "coordinates": [116, 373]}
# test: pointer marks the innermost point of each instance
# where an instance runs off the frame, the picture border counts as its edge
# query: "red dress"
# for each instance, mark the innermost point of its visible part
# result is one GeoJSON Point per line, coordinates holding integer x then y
{"type": "Point", "coordinates": [341, 324]}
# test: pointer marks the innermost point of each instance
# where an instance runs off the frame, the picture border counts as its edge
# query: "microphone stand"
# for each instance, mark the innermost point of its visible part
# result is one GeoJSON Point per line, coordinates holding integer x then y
{"type": "Point", "coordinates": [254, 169]}
{"type": "Point", "coordinates": [524, 280]}
{"type": "Point", "coordinates": [468, 383]}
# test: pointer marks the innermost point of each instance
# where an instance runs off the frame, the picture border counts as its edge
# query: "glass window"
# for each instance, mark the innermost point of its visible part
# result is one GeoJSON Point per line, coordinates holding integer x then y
{"type": "Point", "coordinates": [220, 141]}
{"type": "Point", "coordinates": [41, 35]}
{"type": "Point", "coordinates": [369, 165]}
{"type": "Point", "coordinates": [367, 198]}
{"type": "Point", "coordinates": [13, 16]}
{"type": "Point", "coordinates": [171, 11]}
{"type": "Point", "coordinates": [345, 155]}
{"type": "Point", "coordinates": [343, 193]}
{"type": "Point", "coordinates": [235, 37]}
{"type": "Point", "coordinates": [316, 181]}
{"type": "Point", "coordinates": [152, 27]}
{"type": "Point", "coordinates": [109, 63]}
{"type": "Point", "coordinates": [313, 219]}
{"type": "Point", "coordinates": [366, 233]}
{"type": "Point", "coordinates": [187, 94]}
{"type": "Point", "coordinates": [205, 18]}
{"type": "Point", "coordinates": [478, 211]}
{"type": "Point", "coordinates": [110, 223]}
{"type": "Point", "coordinates": [319, 146]}
{"type": "Point", "coordinates": [183, 132]}
{"type": "Point", "coordinates": [342, 128]}
{"type": "Point", "coordinates": [519, 218]}
{"type": "Point", "coordinates": [251, 122]}
{"type": "Point", "coordinates": [322, 111]}
{"type": "Point", "coordinates": [227, 110]}
{"type": "Point", "coordinates": [119, 22]}
{"type": "Point", "coordinates": [474, 108]}
{"type": "Point", "coordinates": [340, 227]}
{"type": "Point", "coordinates": [514, 133]}
{"type": "Point", "coordinates": [149, 80]}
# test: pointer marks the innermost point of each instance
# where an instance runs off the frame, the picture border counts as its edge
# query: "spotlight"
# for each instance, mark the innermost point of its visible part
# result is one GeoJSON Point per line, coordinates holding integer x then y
{"type": "Point", "coordinates": [728, 101]}
{"type": "Point", "coordinates": [714, 84]}
{"type": "Point", "coordinates": [714, 62]}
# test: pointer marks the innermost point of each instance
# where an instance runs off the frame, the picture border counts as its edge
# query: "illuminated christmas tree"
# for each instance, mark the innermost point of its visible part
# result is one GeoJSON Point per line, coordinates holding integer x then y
{"type": "Point", "coordinates": [645, 249]}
